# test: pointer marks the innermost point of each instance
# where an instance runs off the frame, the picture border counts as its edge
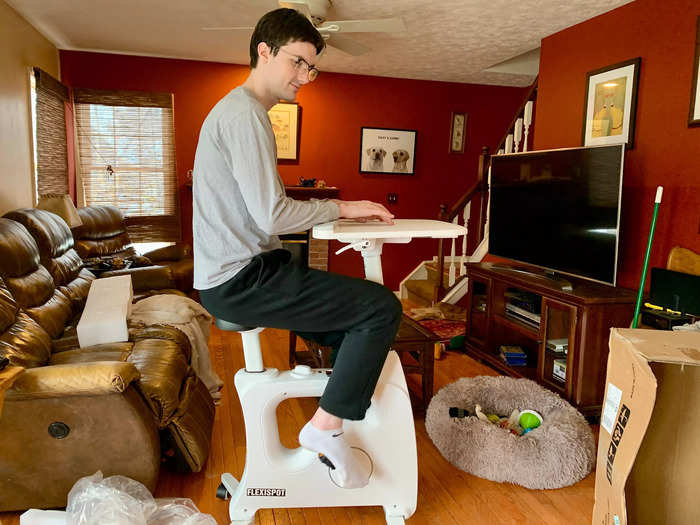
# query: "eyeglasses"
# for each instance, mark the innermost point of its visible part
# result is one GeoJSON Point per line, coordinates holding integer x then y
{"type": "Point", "coordinates": [302, 65]}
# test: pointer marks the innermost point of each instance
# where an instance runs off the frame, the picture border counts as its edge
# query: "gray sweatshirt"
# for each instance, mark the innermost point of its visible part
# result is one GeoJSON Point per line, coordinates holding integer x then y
{"type": "Point", "coordinates": [239, 203]}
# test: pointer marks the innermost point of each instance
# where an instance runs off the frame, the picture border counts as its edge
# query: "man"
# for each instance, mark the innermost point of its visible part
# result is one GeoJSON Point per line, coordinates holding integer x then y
{"type": "Point", "coordinates": [239, 209]}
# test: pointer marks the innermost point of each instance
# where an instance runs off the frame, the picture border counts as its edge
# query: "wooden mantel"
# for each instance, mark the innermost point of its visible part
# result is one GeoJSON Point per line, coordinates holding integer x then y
{"type": "Point", "coordinates": [318, 248]}
{"type": "Point", "coordinates": [304, 193]}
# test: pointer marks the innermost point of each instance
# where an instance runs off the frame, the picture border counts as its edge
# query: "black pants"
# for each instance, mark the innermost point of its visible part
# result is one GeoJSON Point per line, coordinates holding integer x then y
{"type": "Point", "coordinates": [358, 318]}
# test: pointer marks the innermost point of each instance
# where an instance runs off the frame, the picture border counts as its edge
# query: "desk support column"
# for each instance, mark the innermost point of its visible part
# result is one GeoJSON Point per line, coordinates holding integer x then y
{"type": "Point", "coordinates": [372, 257]}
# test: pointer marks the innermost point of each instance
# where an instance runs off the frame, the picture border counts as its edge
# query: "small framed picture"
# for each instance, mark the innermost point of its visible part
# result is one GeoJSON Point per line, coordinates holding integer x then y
{"type": "Point", "coordinates": [387, 151]}
{"type": "Point", "coordinates": [694, 116]}
{"type": "Point", "coordinates": [457, 132]}
{"type": "Point", "coordinates": [284, 118]}
{"type": "Point", "coordinates": [611, 104]}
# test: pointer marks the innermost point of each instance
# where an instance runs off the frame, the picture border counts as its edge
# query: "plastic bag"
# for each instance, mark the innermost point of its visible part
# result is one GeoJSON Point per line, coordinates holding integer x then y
{"type": "Point", "coordinates": [180, 511]}
{"type": "Point", "coordinates": [118, 500]}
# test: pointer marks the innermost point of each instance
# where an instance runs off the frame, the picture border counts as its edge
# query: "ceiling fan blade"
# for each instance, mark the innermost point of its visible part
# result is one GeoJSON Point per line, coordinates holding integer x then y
{"type": "Point", "coordinates": [378, 25]}
{"type": "Point", "coordinates": [302, 7]}
{"type": "Point", "coordinates": [237, 28]}
{"type": "Point", "coordinates": [347, 45]}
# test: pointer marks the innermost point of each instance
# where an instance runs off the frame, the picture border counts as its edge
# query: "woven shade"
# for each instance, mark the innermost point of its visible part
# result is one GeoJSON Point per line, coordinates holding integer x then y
{"type": "Point", "coordinates": [51, 149]}
{"type": "Point", "coordinates": [127, 159]}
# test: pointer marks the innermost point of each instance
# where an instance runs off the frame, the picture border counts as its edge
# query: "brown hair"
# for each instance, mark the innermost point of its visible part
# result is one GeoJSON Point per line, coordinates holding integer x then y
{"type": "Point", "coordinates": [280, 27]}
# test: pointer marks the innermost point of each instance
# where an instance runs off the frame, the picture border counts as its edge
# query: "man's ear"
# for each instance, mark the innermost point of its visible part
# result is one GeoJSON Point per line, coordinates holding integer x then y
{"type": "Point", "coordinates": [264, 51]}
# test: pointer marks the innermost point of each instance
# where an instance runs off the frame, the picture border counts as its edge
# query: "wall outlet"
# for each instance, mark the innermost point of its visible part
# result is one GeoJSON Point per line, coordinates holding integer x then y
{"type": "Point", "coordinates": [392, 198]}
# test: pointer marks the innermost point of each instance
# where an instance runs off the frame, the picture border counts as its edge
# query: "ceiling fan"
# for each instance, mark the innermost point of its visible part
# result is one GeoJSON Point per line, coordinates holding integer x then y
{"type": "Point", "coordinates": [333, 31]}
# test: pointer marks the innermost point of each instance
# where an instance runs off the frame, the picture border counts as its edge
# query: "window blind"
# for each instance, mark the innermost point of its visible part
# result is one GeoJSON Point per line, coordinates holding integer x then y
{"type": "Point", "coordinates": [50, 134]}
{"type": "Point", "coordinates": [127, 158]}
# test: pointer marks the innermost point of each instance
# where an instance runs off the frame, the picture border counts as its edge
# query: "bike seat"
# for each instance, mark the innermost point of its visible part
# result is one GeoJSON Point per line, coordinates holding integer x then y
{"type": "Point", "coordinates": [228, 326]}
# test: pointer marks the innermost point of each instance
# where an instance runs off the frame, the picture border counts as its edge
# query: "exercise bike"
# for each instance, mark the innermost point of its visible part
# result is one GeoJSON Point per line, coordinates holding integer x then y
{"type": "Point", "coordinates": [278, 477]}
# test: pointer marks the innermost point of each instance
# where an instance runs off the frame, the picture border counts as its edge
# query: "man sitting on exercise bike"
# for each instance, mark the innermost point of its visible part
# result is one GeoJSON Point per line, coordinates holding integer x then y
{"type": "Point", "coordinates": [242, 273]}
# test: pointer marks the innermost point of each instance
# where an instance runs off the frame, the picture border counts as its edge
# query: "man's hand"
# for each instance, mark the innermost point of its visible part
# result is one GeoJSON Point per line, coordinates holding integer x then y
{"type": "Point", "coordinates": [364, 211]}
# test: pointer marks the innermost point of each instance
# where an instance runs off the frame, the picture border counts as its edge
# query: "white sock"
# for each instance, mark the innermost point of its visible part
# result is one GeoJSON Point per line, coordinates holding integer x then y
{"type": "Point", "coordinates": [330, 443]}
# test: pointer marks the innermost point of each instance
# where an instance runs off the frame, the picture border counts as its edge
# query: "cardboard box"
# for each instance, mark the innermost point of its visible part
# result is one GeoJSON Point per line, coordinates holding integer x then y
{"type": "Point", "coordinates": [648, 468]}
{"type": "Point", "coordinates": [107, 307]}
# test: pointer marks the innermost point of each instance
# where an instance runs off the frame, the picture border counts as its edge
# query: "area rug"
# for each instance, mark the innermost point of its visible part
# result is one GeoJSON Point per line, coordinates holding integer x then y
{"type": "Point", "coordinates": [444, 329]}
{"type": "Point", "coordinates": [558, 453]}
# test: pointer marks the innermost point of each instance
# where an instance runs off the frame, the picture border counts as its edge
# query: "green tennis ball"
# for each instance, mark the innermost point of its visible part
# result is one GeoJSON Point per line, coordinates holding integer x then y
{"type": "Point", "coordinates": [530, 419]}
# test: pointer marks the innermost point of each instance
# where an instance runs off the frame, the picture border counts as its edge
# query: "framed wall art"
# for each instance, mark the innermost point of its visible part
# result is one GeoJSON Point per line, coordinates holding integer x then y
{"type": "Point", "coordinates": [694, 116]}
{"type": "Point", "coordinates": [458, 130]}
{"type": "Point", "coordinates": [610, 104]}
{"type": "Point", "coordinates": [387, 151]}
{"type": "Point", "coordinates": [284, 117]}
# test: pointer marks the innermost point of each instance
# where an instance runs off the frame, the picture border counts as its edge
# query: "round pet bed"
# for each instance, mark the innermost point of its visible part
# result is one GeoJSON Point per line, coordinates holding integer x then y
{"type": "Point", "coordinates": [558, 453]}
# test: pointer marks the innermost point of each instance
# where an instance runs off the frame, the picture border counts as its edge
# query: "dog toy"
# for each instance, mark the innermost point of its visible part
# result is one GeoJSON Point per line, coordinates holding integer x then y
{"type": "Point", "coordinates": [459, 412]}
{"type": "Point", "coordinates": [457, 342]}
{"type": "Point", "coordinates": [490, 418]}
{"type": "Point", "coordinates": [529, 420]}
{"type": "Point", "coordinates": [511, 423]}
{"type": "Point", "coordinates": [480, 414]}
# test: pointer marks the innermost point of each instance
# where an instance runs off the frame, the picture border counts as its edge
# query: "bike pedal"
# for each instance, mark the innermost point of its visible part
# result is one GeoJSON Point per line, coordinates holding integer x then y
{"type": "Point", "coordinates": [326, 461]}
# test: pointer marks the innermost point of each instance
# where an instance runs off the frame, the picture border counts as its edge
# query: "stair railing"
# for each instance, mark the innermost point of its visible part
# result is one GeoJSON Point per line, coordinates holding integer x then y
{"type": "Point", "coordinates": [462, 209]}
{"type": "Point", "coordinates": [518, 132]}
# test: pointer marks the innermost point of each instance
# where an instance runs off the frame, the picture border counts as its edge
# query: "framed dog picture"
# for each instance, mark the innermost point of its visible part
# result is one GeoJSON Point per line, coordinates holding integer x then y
{"type": "Point", "coordinates": [284, 117]}
{"type": "Point", "coordinates": [611, 104]}
{"type": "Point", "coordinates": [388, 151]}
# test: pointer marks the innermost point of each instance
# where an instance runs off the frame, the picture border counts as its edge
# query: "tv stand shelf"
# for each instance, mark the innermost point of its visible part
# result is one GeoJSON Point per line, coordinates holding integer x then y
{"type": "Point", "coordinates": [568, 353]}
{"type": "Point", "coordinates": [516, 325]}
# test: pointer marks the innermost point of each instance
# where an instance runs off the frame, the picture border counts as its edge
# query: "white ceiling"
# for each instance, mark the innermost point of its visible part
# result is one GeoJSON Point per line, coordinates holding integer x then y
{"type": "Point", "coordinates": [446, 40]}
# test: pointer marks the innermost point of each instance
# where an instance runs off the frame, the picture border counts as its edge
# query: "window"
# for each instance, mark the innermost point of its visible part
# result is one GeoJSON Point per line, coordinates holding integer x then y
{"type": "Point", "coordinates": [48, 97]}
{"type": "Point", "coordinates": [127, 158]}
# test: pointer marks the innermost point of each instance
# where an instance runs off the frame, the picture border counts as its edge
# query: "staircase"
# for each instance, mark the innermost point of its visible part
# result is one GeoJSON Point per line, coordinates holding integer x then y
{"type": "Point", "coordinates": [443, 278]}
{"type": "Point", "coordinates": [422, 291]}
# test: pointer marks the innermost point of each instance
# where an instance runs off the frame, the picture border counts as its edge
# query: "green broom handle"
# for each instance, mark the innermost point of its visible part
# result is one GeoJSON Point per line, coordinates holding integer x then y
{"type": "Point", "coordinates": [657, 201]}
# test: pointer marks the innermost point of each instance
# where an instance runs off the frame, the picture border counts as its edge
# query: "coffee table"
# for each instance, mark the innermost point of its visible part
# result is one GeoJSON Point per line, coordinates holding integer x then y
{"type": "Point", "coordinates": [416, 348]}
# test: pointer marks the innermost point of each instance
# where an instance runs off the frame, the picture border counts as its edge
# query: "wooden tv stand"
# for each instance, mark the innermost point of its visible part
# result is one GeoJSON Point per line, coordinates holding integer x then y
{"type": "Point", "coordinates": [579, 317]}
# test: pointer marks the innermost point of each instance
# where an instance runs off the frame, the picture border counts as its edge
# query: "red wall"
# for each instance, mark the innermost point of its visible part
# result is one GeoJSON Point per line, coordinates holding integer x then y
{"type": "Point", "coordinates": [333, 109]}
{"type": "Point", "coordinates": [666, 151]}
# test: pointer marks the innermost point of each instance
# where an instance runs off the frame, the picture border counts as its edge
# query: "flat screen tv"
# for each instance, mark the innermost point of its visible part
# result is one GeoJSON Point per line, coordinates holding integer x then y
{"type": "Point", "coordinates": [559, 210]}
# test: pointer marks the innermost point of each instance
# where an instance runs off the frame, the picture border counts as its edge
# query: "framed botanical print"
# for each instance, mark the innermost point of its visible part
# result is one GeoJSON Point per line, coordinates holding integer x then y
{"type": "Point", "coordinates": [457, 132]}
{"type": "Point", "coordinates": [610, 104]}
{"type": "Point", "coordinates": [284, 117]}
{"type": "Point", "coordinates": [694, 116]}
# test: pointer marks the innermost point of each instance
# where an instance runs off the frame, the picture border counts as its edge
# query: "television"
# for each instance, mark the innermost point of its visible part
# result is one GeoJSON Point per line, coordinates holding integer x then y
{"type": "Point", "coordinates": [559, 210]}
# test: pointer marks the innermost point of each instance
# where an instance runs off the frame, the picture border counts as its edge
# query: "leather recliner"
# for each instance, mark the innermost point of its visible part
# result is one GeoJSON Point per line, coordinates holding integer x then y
{"type": "Point", "coordinates": [57, 248]}
{"type": "Point", "coordinates": [76, 410]}
{"type": "Point", "coordinates": [104, 235]}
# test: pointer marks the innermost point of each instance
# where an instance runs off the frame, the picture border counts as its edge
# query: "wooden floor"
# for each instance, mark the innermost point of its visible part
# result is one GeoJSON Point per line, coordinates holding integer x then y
{"type": "Point", "coordinates": [446, 495]}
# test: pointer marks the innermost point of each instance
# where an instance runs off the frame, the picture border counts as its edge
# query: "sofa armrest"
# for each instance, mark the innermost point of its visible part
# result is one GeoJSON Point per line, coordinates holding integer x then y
{"type": "Point", "coordinates": [146, 278]}
{"type": "Point", "coordinates": [174, 252]}
{"type": "Point", "coordinates": [79, 379]}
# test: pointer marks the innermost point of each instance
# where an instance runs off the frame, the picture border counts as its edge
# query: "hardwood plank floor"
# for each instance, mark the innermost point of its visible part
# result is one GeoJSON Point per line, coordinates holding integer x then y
{"type": "Point", "coordinates": [446, 495]}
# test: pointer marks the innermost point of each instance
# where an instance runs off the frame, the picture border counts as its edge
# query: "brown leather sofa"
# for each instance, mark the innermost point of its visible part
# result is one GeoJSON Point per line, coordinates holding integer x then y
{"type": "Point", "coordinates": [44, 226]}
{"type": "Point", "coordinates": [104, 235]}
{"type": "Point", "coordinates": [120, 408]}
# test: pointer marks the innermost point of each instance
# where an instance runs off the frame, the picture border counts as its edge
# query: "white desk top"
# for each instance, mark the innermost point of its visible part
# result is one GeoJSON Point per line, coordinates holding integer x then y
{"type": "Point", "coordinates": [349, 230]}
